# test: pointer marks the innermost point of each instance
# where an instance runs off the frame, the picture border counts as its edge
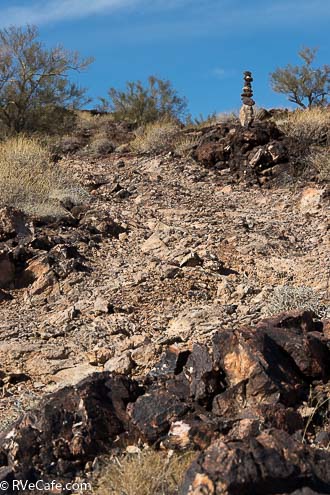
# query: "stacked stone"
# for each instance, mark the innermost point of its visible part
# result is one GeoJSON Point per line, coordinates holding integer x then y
{"type": "Point", "coordinates": [246, 113]}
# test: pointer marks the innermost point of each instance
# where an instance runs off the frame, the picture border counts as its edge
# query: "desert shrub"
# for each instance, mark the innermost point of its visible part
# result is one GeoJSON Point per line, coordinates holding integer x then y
{"type": "Point", "coordinates": [146, 473]}
{"type": "Point", "coordinates": [156, 137]}
{"type": "Point", "coordinates": [89, 122]}
{"type": "Point", "coordinates": [35, 91]}
{"type": "Point", "coordinates": [304, 85]}
{"type": "Point", "coordinates": [310, 126]}
{"type": "Point", "coordinates": [287, 298]}
{"type": "Point", "coordinates": [144, 103]}
{"type": "Point", "coordinates": [30, 182]}
{"type": "Point", "coordinates": [66, 145]}
{"type": "Point", "coordinates": [100, 145]}
{"type": "Point", "coordinates": [320, 160]}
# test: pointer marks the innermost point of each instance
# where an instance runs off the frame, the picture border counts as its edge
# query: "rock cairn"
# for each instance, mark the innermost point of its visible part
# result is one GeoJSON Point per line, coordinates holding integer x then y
{"type": "Point", "coordinates": [246, 115]}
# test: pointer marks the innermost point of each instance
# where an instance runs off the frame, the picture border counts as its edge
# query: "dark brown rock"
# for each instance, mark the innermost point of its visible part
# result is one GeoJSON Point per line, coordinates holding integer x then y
{"type": "Point", "coordinates": [69, 428]}
{"type": "Point", "coordinates": [153, 413]}
{"type": "Point", "coordinates": [5, 296]}
{"type": "Point", "coordinates": [271, 463]}
{"type": "Point", "coordinates": [13, 223]}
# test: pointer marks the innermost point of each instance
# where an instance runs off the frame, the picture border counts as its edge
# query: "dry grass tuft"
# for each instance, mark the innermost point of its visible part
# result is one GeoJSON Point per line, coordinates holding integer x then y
{"type": "Point", "coordinates": [146, 473]}
{"type": "Point", "coordinates": [311, 126]}
{"type": "Point", "coordinates": [156, 137]}
{"type": "Point", "coordinates": [186, 143]}
{"type": "Point", "coordinates": [30, 182]}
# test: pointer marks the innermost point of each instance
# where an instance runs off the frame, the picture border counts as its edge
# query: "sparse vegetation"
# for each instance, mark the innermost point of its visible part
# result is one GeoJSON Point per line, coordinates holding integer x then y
{"type": "Point", "coordinates": [186, 143]}
{"type": "Point", "coordinates": [316, 413]}
{"type": "Point", "coordinates": [100, 145]}
{"type": "Point", "coordinates": [30, 182]}
{"type": "Point", "coordinates": [146, 473]}
{"type": "Point", "coordinates": [201, 121]}
{"type": "Point", "coordinates": [155, 137]}
{"type": "Point", "coordinates": [144, 104]}
{"type": "Point", "coordinates": [310, 126]}
{"type": "Point", "coordinates": [320, 160]}
{"type": "Point", "coordinates": [305, 85]}
{"type": "Point", "coordinates": [287, 298]}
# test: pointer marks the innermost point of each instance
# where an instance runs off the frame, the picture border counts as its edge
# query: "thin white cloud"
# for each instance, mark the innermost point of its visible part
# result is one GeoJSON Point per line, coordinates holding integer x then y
{"type": "Point", "coordinates": [200, 14]}
{"type": "Point", "coordinates": [56, 10]}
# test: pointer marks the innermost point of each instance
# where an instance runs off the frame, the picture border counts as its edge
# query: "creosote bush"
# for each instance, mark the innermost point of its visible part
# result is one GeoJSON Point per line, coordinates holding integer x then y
{"type": "Point", "coordinates": [30, 182]}
{"type": "Point", "coordinates": [156, 137]}
{"type": "Point", "coordinates": [146, 473]}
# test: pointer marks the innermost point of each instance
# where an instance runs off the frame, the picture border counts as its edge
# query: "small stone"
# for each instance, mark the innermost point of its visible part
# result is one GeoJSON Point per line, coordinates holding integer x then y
{"type": "Point", "coordinates": [102, 305]}
{"type": "Point", "coordinates": [192, 259]}
{"type": "Point", "coordinates": [120, 364]}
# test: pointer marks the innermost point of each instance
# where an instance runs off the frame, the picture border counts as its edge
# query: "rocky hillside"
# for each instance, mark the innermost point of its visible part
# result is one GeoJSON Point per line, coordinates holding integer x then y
{"type": "Point", "coordinates": [160, 283]}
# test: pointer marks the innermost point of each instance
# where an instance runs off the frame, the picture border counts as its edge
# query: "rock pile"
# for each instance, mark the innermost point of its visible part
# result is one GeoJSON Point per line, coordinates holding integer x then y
{"type": "Point", "coordinates": [253, 154]}
{"type": "Point", "coordinates": [237, 400]}
{"type": "Point", "coordinates": [246, 114]}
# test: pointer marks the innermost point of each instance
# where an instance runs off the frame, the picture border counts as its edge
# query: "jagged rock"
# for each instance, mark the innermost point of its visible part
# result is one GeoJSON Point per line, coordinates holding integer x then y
{"type": "Point", "coordinates": [191, 259]}
{"type": "Point", "coordinates": [245, 150]}
{"type": "Point", "coordinates": [100, 223]}
{"type": "Point", "coordinates": [122, 364]}
{"type": "Point", "coordinates": [276, 360]}
{"type": "Point", "coordinates": [102, 305]}
{"type": "Point", "coordinates": [153, 413]}
{"type": "Point", "coordinates": [270, 463]}
{"type": "Point", "coordinates": [194, 322]}
{"type": "Point", "coordinates": [311, 199]}
{"type": "Point", "coordinates": [69, 429]}
{"type": "Point", "coordinates": [13, 223]}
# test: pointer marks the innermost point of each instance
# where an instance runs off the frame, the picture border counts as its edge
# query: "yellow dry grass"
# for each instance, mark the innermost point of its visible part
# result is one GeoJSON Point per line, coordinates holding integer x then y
{"type": "Point", "coordinates": [320, 160]}
{"type": "Point", "coordinates": [146, 473]}
{"type": "Point", "coordinates": [155, 137]}
{"type": "Point", "coordinates": [30, 182]}
{"type": "Point", "coordinates": [310, 125]}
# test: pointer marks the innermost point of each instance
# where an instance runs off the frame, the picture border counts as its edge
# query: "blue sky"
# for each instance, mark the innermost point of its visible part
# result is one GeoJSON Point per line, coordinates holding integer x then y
{"type": "Point", "coordinates": [202, 46]}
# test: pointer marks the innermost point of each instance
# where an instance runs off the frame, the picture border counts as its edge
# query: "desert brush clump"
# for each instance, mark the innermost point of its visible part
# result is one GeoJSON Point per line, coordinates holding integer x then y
{"type": "Point", "coordinates": [287, 298]}
{"type": "Point", "coordinates": [305, 85]}
{"type": "Point", "coordinates": [30, 182]}
{"type": "Point", "coordinates": [156, 137]}
{"type": "Point", "coordinates": [186, 143]}
{"type": "Point", "coordinates": [36, 92]}
{"type": "Point", "coordinates": [100, 144]}
{"type": "Point", "coordinates": [144, 103]}
{"type": "Point", "coordinates": [146, 473]}
{"type": "Point", "coordinates": [311, 126]}
{"type": "Point", "coordinates": [320, 160]}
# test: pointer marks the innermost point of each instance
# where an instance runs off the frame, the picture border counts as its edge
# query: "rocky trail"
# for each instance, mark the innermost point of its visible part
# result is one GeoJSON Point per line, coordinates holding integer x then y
{"type": "Point", "coordinates": [168, 263]}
